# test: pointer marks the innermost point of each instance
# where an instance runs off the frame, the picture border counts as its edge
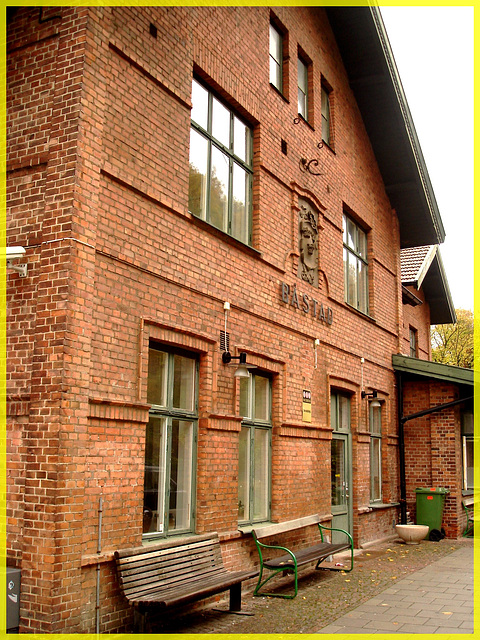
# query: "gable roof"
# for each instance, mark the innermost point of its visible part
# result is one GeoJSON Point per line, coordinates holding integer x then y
{"type": "Point", "coordinates": [423, 267]}
{"type": "Point", "coordinates": [363, 43]}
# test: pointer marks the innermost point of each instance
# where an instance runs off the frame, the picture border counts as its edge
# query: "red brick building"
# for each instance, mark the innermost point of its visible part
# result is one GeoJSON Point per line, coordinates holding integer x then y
{"type": "Point", "coordinates": [188, 182]}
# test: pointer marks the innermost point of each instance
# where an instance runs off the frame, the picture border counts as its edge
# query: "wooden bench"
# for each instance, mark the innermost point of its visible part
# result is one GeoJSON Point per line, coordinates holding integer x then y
{"type": "Point", "coordinates": [291, 560]}
{"type": "Point", "coordinates": [176, 572]}
{"type": "Point", "coordinates": [469, 510]}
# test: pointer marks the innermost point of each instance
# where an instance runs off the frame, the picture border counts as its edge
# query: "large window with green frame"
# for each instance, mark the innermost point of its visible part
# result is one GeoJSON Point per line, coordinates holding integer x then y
{"type": "Point", "coordinates": [355, 262]}
{"type": "Point", "coordinates": [254, 474]}
{"type": "Point", "coordinates": [170, 442]}
{"type": "Point", "coordinates": [220, 182]}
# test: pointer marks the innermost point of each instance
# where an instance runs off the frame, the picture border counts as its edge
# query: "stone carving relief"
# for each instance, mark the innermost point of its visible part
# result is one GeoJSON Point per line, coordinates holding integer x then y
{"type": "Point", "coordinates": [308, 243]}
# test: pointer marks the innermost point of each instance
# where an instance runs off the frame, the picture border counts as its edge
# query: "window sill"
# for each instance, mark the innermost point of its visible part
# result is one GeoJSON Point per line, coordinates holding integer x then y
{"type": "Point", "coordinates": [246, 529]}
{"type": "Point", "coordinates": [383, 505]}
{"type": "Point", "coordinates": [362, 314]}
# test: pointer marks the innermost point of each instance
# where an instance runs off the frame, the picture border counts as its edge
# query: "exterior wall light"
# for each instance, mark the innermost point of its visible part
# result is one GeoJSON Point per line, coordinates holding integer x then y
{"type": "Point", "coordinates": [13, 253]}
{"type": "Point", "coordinates": [373, 395]}
{"type": "Point", "coordinates": [242, 369]}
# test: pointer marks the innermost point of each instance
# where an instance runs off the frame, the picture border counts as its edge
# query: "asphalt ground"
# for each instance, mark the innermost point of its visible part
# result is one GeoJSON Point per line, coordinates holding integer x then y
{"type": "Point", "coordinates": [323, 596]}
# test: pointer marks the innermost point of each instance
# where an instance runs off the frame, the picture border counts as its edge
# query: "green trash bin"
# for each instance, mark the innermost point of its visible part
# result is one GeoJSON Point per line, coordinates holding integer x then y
{"type": "Point", "coordinates": [430, 510]}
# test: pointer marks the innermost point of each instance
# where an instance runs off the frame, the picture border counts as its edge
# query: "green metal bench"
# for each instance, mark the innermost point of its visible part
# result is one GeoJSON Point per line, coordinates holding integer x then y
{"type": "Point", "coordinates": [292, 559]}
{"type": "Point", "coordinates": [469, 509]}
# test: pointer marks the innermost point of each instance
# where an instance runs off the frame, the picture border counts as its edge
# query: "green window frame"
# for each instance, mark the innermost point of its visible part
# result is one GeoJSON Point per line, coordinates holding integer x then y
{"type": "Point", "coordinates": [467, 450]}
{"type": "Point", "coordinates": [221, 170]}
{"type": "Point", "coordinates": [355, 261]}
{"type": "Point", "coordinates": [375, 422]}
{"type": "Point", "coordinates": [170, 442]}
{"type": "Point", "coordinates": [254, 476]}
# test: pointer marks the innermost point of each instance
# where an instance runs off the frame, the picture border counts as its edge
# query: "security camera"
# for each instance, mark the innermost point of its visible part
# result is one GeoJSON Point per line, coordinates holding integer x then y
{"type": "Point", "coordinates": [12, 254]}
{"type": "Point", "coordinates": [15, 252]}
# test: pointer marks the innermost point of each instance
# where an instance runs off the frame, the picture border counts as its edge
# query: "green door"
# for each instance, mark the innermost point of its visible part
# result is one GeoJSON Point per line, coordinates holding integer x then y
{"type": "Point", "coordinates": [341, 465]}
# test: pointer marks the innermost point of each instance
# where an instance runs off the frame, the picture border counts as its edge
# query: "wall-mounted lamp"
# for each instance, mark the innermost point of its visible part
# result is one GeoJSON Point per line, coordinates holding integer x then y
{"type": "Point", "coordinates": [14, 253]}
{"type": "Point", "coordinates": [373, 394]}
{"type": "Point", "coordinates": [243, 368]}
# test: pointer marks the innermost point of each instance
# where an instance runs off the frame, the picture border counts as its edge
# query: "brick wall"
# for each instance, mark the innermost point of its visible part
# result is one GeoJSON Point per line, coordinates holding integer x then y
{"type": "Point", "coordinates": [99, 125]}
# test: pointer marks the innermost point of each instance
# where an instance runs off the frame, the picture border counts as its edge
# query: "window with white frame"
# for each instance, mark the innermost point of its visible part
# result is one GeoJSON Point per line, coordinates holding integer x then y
{"type": "Point", "coordinates": [170, 442]}
{"type": "Point", "coordinates": [302, 80]}
{"type": "Point", "coordinates": [375, 452]}
{"type": "Point", "coordinates": [254, 473]}
{"type": "Point", "coordinates": [220, 182]}
{"type": "Point", "coordinates": [355, 265]}
{"type": "Point", "coordinates": [276, 58]}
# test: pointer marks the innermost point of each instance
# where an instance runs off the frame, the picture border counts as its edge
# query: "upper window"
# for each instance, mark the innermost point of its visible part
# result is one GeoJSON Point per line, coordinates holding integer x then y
{"type": "Point", "coordinates": [220, 182]}
{"type": "Point", "coordinates": [326, 119]}
{"type": "Point", "coordinates": [355, 265]}
{"type": "Point", "coordinates": [276, 58]}
{"type": "Point", "coordinates": [302, 79]}
{"type": "Point", "coordinates": [375, 452]}
{"type": "Point", "coordinates": [170, 443]}
{"type": "Point", "coordinates": [413, 343]}
{"type": "Point", "coordinates": [254, 473]}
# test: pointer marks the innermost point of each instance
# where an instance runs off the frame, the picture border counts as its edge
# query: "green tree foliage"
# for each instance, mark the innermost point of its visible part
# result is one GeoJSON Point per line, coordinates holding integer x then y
{"type": "Point", "coordinates": [453, 343]}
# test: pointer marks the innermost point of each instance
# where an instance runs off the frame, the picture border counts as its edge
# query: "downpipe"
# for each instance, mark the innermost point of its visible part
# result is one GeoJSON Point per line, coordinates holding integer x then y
{"type": "Point", "coordinates": [99, 550]}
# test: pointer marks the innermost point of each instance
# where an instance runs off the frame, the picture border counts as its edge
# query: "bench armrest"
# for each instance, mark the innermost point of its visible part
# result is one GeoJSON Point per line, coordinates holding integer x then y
{"type": "Point", "coordinates": [322, 527]}
{"type": "Point", "coordinates": [261, 545]}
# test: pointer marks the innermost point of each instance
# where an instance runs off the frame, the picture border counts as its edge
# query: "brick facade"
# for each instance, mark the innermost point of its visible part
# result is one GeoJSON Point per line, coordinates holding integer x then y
{"type": "Point", "coordinates": [98, 173]}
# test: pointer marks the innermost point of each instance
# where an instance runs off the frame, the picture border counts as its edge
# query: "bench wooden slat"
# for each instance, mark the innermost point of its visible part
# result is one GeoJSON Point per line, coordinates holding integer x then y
{"type": "Point", "coordinates": [303, 556]}
{"type": "Point", "coordinates": [175, 572]}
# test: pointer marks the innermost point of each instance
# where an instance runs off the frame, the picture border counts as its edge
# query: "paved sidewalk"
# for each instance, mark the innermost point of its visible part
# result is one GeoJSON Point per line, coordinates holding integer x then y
{"type": "Point", "coordinates": [435, 599]}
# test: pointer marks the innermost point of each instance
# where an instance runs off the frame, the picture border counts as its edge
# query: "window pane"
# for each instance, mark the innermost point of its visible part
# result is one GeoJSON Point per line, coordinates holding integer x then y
{"type": "Point", "coordinates": [241, 140]}
{"type": "Point", "coordinates": [157, 377]}
{"type": "Point", "coordinates": [376, 420]}
{"type": "Point", "coordinates": [302, 104]}
{"type": "Point", "coordinates": [262, 398]}
{"type": "Point", "coordinates": [275, 58]}
{"type": "Point", "coordinates": [219, 189]}
{"type": "Point", "coordinates": [199, 105]}
{"type": "Point", "coordinates": [197, 186]}
{"type": "Point", "coordinates": [275, 44]}
{"type": "Point", "coordinates": [154, 480]}
{"type": "Point", "coordinates": [375, 469]}
{"type": "Point", "coordinates": [302, 75]}
{"type": "Point", "coordinates": [351, 235]}
{"type": "Point", "coordinates": [240, 204]}
{"type": "Point", "coordinates": [351, 278]}
{"type": "Point", "coordinates": [343, 413]}
{"type": "Point", "coordinates": [245, 386]}
{"type": "Point", "coordinates": [184, 383]}
{"type": "Point", "coordinates": [338, 472]}
{"type": "Point", "coordinates": [221, 123]}
{"type": "Point", "coordinates": [275, 74]}
{"type": "Point", "coordinates": [362, 287]}
{"type": "Point", "coordinates": [362, 243]}
{"type": "Point", "coordinates": [244, 475]}
{"type": "Point", "coordinates": [325, 116]}
{"type": "Point", "coordinates": [179, 509]}
{"type": "Point", "coordinates": [261, 475]}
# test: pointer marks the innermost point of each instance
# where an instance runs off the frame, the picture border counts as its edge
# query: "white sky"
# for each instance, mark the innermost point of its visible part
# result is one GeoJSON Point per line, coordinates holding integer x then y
{"type": "Point", "coordinates": [433, 49]}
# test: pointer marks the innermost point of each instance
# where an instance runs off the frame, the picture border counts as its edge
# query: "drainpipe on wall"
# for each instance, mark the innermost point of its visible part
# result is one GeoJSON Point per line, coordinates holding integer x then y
{"type": "Point", "coordinates": [99, 550]}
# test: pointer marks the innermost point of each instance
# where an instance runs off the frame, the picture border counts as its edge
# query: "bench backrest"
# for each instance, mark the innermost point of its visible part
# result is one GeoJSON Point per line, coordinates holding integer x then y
{"type": "Point", "coordinates": [143, 569]}
{"type": "Point", "coordinates": [282, 527]}
{"type": "Point", "coordinates": [468, 502]}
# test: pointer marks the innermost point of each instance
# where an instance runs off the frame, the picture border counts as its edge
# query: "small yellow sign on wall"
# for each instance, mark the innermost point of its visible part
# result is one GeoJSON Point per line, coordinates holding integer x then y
{"type": "Point", "coordinates": [307, 406]}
